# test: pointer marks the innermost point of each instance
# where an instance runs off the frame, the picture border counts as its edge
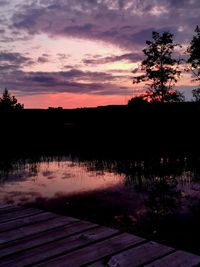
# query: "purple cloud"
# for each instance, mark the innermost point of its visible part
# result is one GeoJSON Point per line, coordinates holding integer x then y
{"type": "Point", "coordinates": [44, 58]}
{"type": "Point", "coordinates": [123, 23]}
{"type": "Point", "coordinates": [132, 57]}
{"type": "Point", "coordinates": [3, 3]}
{"type": "Point", "coordinates": [72, 81]}
{"type": "Point", "coordinates": [13, 61]}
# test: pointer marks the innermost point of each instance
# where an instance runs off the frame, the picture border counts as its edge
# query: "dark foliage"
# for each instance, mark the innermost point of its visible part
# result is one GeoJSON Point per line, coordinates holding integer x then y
{"type": "Point", "coordinates": [110, 131]}
{"type": "Point", "coordinates": [161, 69]}
{"type": "Point", "coordinates": [194, 54]}
{"type": "Point", "coordinates": [196, 94]}
{"type": "Point", "coordinates": [137, 101]}
{"type": "Point", "coordinates": [194, 61]}
{"type": "Point", "coordinates": [8, 102]}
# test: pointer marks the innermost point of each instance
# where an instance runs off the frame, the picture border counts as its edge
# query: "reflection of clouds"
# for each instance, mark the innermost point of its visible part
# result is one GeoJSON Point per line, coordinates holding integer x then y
{"type": "Point", "coordinates": [18, 197]}
{"type": "Point", "coordinates": [67, 175]}
{"type": "Point", "coordinates": [19, 175]}
{"type": "Point", "coordinates": [42, 185]}
{"type": "Point", "coordinates": [18, 171]}
{"type": "Point", "coordinates": [47, 173]}
{"type": "Point", "coordinates": [20, 193]}
{"type": "Point", "coordinates": [72, 165]}
{"type": "Point", "coordinates": [51, 177]}
{"type": "Point", "coordinates": [60, 194]}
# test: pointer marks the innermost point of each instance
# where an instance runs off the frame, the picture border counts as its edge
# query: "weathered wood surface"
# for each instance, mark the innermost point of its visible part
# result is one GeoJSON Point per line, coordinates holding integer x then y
{"type": "Point", "coordinates": [31, 237]}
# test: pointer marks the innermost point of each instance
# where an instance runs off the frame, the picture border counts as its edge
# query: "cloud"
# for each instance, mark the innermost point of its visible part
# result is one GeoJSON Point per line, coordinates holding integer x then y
{"type": "Point", "coordinates": [65, 67]}
{"type": "Point", "coordinates": [63, 56]}
{"type": "Point", "coordinates": [88, 75]}
{"type": "Point", "coordinates": [72, 81]}
{"type": "Point", "coordinates": [44, 58]}
{"type": "Point", "coordinates": [3, 3]}
{"type": "Point", "coordinates": [131, 57]}
{"type": "Point", "coordinates": [13, 61]}
{"type": "Point", "coordinates": [13, 57]}
{"type": "Point", "coordinates": [123, 23]}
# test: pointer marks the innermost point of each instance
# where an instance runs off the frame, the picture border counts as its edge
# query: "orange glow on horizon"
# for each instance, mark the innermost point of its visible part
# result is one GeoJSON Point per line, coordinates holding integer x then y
{"type": "Point", "coordinates": [68, 100]}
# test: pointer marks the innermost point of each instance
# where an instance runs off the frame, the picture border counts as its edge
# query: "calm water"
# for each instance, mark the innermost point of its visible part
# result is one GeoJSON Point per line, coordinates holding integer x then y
{"type": "Point", "coordinates": [26, 181]}
{"type": "Point", "coordinates": [157, 198]}
{"type": "Point", "coordinates": [23, 181]}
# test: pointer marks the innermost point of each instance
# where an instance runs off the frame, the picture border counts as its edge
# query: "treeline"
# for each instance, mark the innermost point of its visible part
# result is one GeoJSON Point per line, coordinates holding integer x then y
{"type": "Point", "coordinates": [112, 131]}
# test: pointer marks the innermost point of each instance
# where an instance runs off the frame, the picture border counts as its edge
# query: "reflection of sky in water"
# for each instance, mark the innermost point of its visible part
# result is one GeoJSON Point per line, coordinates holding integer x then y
{"type": "Point", "coordinates": [24, 181]}
{"type": "Point", "coordinates": [48, 179]}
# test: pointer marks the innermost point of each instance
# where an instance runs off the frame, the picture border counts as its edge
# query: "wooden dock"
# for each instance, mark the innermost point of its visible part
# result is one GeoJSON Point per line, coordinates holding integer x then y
{"type": "Point", "coordinates": [31, 237]}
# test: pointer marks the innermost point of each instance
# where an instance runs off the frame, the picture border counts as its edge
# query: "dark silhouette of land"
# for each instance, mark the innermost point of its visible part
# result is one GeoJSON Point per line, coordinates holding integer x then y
{"type": "Point", "coordinates": [140, 129]}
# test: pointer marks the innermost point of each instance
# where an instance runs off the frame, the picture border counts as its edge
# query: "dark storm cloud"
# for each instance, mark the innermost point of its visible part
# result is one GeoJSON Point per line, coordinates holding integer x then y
{"type": "Point", "coordinates": [123, 23]}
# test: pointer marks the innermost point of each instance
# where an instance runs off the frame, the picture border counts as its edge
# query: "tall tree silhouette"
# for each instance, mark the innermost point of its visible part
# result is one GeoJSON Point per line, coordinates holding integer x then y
{"type": "Point", "coordinates": [194, 61]}
{"type": "Point", "coordinates": [8, 102]}
{"type": "Point", "coordinates": [161, 69]}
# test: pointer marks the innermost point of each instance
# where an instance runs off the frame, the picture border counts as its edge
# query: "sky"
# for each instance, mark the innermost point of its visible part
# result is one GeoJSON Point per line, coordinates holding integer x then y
{"type": "Point", "coordinates": [84, 53]}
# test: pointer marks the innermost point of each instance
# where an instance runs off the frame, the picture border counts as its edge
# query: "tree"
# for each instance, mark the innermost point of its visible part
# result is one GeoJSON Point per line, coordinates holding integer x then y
{"type": "Point", "coordinates": [196, 94]}
{"type": "Point", "coordinates": [161, 69]}
{"type": "Point", "coordinates": [194, 61]}
{"type": "Point", "coordinates": [137, 101]}
{"type": "Point", "coordinates": [8, 102]}
{"type": "Point", "coordinates": [194, 54]}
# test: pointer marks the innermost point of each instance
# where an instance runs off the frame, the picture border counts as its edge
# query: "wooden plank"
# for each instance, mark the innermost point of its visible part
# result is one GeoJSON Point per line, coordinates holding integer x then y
{"type": "Point", "coordinates": [26, 221]}
{"type": "Point", "coordinates": [44, 237]}
{"type": "Point", "coordinates": [18, 214]}
{"type": "Point", "coordinates": [7, 209]}
{"type": "Point", "coordinates": [34, 228]}
{"type": "Point", "coordinates": [101, 263]}
{"type": "Point", "coordinates": [136, 256]}
{"type": "Point", "coordinates": [178, 258]}
{"type": "Point", "coordinates": [32, 237]}
{"type": "Point", "coordinates": [53, 249]}
{"type": "Point", "coordinates": [95, 252]}
{"type": "Point", "coordinates": [2, 206]}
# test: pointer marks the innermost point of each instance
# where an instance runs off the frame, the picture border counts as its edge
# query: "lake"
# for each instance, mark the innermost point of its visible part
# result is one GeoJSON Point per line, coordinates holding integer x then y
{"type": "Point", "coordinates": [158, 198]}
{"type": "Point", "coordinates": [26, 181]}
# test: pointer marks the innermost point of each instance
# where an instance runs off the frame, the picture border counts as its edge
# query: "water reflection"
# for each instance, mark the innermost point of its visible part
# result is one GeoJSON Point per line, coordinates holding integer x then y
{"type": "Point", "coordinates": [27, 180]}
{"type": "Point", "coordinates": [158, 198]}
{"type": "Point", "coordinates": [168, 185]}
{"type": "Point", "coordinates": [163, 181]}
{"type": "Point", "coordinates": [141, 174]}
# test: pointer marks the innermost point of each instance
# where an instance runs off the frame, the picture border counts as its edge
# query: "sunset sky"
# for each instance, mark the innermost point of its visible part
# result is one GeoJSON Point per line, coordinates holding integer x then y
{"type": "Point", "coordinates": [82, 53]}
